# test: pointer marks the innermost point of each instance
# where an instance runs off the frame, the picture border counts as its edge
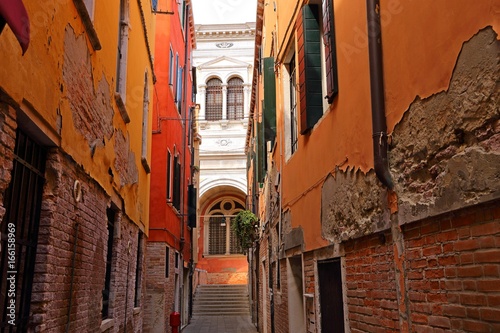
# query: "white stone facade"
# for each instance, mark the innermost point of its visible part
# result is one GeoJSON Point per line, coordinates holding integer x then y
{"type": "Point", "coordinates": [223, 51]}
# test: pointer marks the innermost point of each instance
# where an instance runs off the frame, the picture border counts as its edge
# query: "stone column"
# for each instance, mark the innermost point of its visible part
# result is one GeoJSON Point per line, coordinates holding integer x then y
{"type": "Point", "coordinates": [224, 101]}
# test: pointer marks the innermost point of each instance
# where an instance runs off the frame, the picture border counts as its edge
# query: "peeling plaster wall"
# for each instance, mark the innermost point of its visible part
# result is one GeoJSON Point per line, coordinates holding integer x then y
{"type": "Point", "coordinates": [86, 103]}
{"type": "Point", "coordinates": [352, 205]}
{"type": "Point", "coordinates": [446, 150]}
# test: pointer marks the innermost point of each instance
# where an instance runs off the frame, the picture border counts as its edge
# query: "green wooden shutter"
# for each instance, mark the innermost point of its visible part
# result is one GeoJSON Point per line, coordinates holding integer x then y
{"type": "Point", "coordinates": [260, 149]}
{"type": "Point", "coordinates": [330, 53]}
{"type": "Point", "coordinates": [311, 99]}
{"type": "Point", "coordinates": [269, 111]}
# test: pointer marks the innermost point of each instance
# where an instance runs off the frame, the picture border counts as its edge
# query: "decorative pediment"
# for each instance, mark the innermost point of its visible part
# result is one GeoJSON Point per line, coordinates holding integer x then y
{"type": "Point", "coordinates": [223, 62]}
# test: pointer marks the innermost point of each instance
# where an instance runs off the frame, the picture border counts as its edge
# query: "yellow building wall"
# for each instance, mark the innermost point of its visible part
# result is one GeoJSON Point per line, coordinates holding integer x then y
{"type": "Point", "coordinates": [35, 82]}
{"type": "Point", "coordinates": [421, 41]}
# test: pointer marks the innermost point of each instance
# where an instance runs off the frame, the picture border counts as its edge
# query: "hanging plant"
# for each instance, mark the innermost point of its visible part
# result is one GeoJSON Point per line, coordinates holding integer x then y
{"type": "Point", "coordinates": [245, 224]}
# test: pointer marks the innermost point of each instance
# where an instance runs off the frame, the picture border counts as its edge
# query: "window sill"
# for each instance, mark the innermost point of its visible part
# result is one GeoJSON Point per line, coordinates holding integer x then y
{"type": "Point", "coordinates": [224, 256]}
{"type": "Point", "coordinates": [87, 23]}
{"type": "Point", "coordinates": [121, 108]}
{"type": "Point", "coordinates": [107, 324]}
{"type": "Point", "coordinates": [137, 311]}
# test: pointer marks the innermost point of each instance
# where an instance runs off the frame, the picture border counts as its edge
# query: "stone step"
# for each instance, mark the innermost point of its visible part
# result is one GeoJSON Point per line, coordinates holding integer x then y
{"type": "Point", "coordinates": [220, 300]}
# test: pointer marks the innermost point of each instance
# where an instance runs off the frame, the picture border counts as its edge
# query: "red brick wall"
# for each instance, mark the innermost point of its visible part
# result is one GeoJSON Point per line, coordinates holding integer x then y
{"type": "Point", "coordinates": [453, 271]}
{"type": "Point", "coordinates": [7, 142]}
{"type": "Point", "coordinates": [160, 290]}
{"type": "Point", "coordinates": [281, 300]}
{"type": "Point", "coordinates": [57, 236]}
{"type": "Point", "coordinates": [370, 284]}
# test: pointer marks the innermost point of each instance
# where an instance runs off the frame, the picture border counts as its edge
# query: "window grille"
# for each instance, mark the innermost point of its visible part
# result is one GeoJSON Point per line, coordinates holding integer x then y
{"type": "Point", "coordinates": [235, 99]}
{"type": "Point", "coordinates": [217, 235]}
{"type": "Point", "coordinates": [213, 105]}
{"type": "Point", "coordinates": [21, 221]}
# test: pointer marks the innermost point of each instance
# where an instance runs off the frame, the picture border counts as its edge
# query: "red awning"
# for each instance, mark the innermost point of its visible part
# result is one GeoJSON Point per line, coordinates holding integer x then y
{"type": "Point", "coordinates": [14, 13]}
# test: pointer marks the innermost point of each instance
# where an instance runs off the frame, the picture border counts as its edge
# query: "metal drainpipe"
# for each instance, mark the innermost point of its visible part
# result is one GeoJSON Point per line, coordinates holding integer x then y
{"type": "Point", "coordinates": [379, 125]}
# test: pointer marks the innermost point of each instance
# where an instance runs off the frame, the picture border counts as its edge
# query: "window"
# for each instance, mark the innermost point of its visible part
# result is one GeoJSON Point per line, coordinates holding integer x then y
{"type": "Point", "coordinates": [235, 99]}
{"type": "Point", "coordinates": [220, 238]}
{"type": "Point", "coordinates": [138, 271]}
{"type": "Point", "coordinates": [121, 70]}
{"type": "Point", "coordinates": [213, 104]}
{"type": "Point", "coordinates": [179, 89]}
{"type": "Point", "coordinates": [290, 104]}
{"type": "Point", "coordinates": [171, 73]}
{"type": "Point", "coordinates": [217, 235]}
{"type": "Point", "coordinates": [316, 62]}
{"type": "Point", "coordinates": [154, 5]}
{"type": "Point", "coordinates": [176, 199]}
{"type": "Point", "coordinates": [181, 8]}
{"type": "Point", "coordinates": [19, 228]}
{"type": "Point", "coordinates": [169, 176]}
{"type": "Point", "coordinates": [109, 259]}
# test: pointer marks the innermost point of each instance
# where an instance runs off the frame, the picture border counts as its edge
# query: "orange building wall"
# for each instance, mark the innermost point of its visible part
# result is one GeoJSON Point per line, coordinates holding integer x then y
{"type": "Point", "coordinates": [343, 137]}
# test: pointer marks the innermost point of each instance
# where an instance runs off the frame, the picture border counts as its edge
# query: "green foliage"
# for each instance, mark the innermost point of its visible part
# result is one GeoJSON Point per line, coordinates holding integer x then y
{"type": "Point", "coordinates": [244, 224]}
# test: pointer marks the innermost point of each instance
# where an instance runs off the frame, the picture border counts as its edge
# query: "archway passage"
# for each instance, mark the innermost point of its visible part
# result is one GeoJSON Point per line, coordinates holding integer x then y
{"type": "Point", "coordinates": [220, 258]}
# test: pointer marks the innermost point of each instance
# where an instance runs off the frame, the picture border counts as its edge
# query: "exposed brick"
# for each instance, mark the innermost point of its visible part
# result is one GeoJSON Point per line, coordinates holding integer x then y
{"type": "Point", "coordinates": [490, 314]}
{"type": "Point", "coordinates": [487, 256]}
{"type": "Point", "coordinates": [475, 326]}
{"type": "Point", "coordinates": [490, 228]}
{"type": "Point", "coordinates": [488, 285]}
{"type": "Point", "coordinates": [450, 310]}
{"type": "Point", "coordinates": [473, 299]}
{"type": "Point", "coordinates": [438, 321]}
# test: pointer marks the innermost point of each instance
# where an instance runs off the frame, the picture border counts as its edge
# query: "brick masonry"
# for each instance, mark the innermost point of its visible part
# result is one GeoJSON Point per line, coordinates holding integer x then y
{"type": "Point", "coordinates": [160, 288]}
{"type": "Point", "coordinates": [8, 127]}
{"type": "Point", "coordinates": [54, 271]}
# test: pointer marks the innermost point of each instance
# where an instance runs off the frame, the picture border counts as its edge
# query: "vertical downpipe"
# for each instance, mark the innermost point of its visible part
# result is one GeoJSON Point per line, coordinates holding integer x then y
{"type": "Point", "coordinates": [379, 125]}
{"type": "Point", "coordinates": [381, 163]}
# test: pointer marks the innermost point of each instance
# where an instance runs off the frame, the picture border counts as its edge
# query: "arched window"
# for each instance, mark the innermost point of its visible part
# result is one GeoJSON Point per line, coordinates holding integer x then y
{"type": "Point", "coordinates": [221, 238]}
{"type": "Point", "coordinates": [213, 103]}
{"type": "Point", "coordinates": [235, 99]}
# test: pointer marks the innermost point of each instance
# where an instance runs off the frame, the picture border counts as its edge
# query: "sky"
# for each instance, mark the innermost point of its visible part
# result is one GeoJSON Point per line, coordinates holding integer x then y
{"type": "Point", "coordinates": [224, 11]}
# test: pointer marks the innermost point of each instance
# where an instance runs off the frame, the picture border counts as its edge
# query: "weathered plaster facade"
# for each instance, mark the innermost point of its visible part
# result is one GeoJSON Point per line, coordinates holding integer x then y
{"type": "Point", "coordinates": [409, 258]}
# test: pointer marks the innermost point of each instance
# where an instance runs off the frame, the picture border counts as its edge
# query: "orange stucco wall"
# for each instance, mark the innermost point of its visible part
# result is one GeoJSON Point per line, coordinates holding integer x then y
{"type": "Point", "coordinates": [421, 41]}
{"type": "Point", "coordinates": [35, 82]}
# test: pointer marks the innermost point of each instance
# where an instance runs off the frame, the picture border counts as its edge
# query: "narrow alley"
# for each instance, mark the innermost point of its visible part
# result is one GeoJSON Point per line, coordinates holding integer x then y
{"type": "Point", "coordinates": [242, 166]}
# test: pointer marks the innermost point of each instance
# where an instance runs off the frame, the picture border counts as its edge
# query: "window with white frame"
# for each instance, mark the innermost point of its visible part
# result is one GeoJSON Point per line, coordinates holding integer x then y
{"type": "Point", "coordinates": [121, 68]}
{"type": "Point", "coordinates": [290, 104]}
{"type": "Point", "coordinates": [235, 99]}
{"type": "Point", "coordinates": [213, 99]}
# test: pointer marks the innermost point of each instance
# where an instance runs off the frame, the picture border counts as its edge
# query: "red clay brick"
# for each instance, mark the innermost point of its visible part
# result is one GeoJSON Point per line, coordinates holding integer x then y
{"type": "Point", "coordinates": [487, 256]}
{"type": "Point", "coordinates": [475, 326]}
{"type": "Point", "coordinates": [451, 310]}
{"type": "Point", "coordinates": [473, 299]}
{"type": "Point", "coordinates": [490, 314]}
{"type": "Point", "coordinates": [465, 245]}
{"type": "Point", "coordinates": [488, 285]}
{"type": "Point", "coordinates": [489, 228]}
{"type": "Point", "coordinates": [438, 321]}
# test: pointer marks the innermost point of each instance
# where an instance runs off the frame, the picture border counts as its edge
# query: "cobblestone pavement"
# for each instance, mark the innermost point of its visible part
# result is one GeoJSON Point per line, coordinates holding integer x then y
{"type": "Point", "coordinates": [220, 324]}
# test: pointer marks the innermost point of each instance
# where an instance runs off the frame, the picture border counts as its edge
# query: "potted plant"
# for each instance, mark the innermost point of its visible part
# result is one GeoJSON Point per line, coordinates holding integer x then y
{"type": "Point", "coordinates": [245, 224]}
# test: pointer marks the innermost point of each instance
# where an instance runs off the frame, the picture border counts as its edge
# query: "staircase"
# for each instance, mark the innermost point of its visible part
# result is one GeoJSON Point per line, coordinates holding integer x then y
{"type": "Point", "coordinates": [221, 300]}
